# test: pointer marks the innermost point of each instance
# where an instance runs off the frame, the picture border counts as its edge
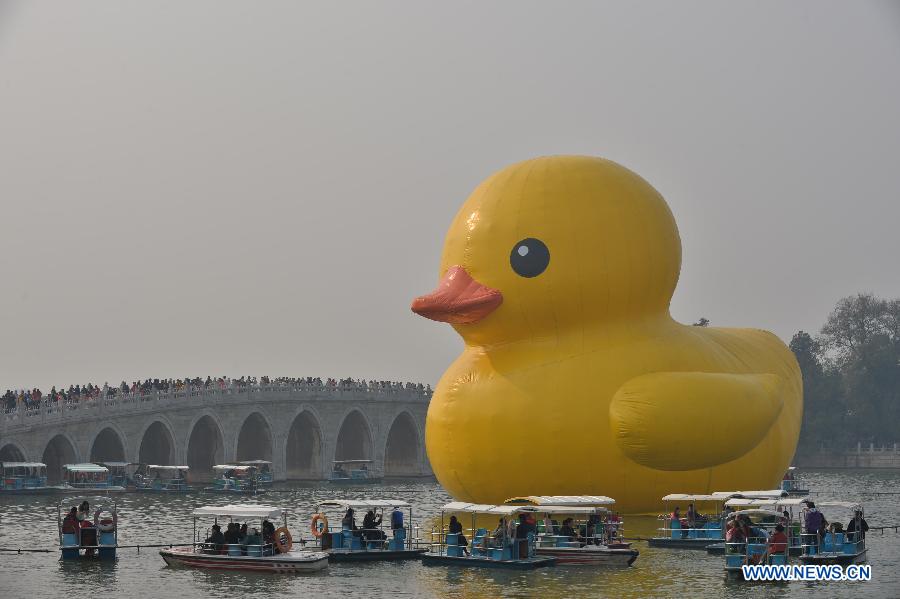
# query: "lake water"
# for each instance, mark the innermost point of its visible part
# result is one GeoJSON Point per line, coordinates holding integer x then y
{"type": "Point", "coordinates": [145, 518]}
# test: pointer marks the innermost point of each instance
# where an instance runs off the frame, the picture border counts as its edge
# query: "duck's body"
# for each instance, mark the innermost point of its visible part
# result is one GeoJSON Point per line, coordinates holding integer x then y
{"type": "Point", "coordinates": [575, 379]}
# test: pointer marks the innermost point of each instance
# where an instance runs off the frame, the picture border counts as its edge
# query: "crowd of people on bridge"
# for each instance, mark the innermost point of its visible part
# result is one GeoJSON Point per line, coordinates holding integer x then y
{"type": "Point", "coordinates": [33, 399]}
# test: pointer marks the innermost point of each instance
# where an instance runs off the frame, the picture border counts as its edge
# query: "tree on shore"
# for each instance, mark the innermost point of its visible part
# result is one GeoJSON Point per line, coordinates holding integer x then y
{"type": "Point", "coordinates": [851, 375]}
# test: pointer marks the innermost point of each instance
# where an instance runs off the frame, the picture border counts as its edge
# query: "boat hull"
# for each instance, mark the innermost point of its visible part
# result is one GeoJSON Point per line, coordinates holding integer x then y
{"type": "Point", "coordinates": [288, 563]}
{"type": "Point", "coordinates": [589, 556]}
{"type": "Point", "coordinates": [431, 559]}
{"type": "Point", "coordinates": [719, 549]}
{"type": "Point", "coordinates": [345, 555]}
{"type": "Point", "coordinates": [827, 559]}
{"type": "Point", "coordinates": [668, 543]}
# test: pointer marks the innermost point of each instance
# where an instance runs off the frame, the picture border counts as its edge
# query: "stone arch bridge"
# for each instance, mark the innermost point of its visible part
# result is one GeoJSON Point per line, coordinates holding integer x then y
{"type": "Point", "coordinates": [300, 428]}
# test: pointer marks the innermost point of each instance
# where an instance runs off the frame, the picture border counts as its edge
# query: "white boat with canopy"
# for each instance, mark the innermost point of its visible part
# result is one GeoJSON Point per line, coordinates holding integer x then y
{"type": "Point", "coordinates": [23, 477]}
{"type": "Point", "coordinates": [783, 510]}
{"type": "Point", "coordinates": [579, 530]}
{"type": "Point", "coordinates": [88, 477]}
{"type": "Point", "coordinates": [261, 548]}
{"type": "Point", "coordinates": [162, 479]}
{"type": "Point", "coordinates": [371, 541]}
{"type": "Point", "coordinates": [510, 545]}
{"type": "Point", "coordinates": [241, 479]}
{"type": "Point", "coordinates": [693, 529]}
{"type": "Point", "coordinates": [831, 543]}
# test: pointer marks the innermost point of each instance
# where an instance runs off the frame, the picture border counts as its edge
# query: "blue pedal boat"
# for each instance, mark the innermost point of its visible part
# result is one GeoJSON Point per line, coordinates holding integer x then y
{"type": "Point", "coordinates": [20, 478]}
{"type": "Point", "coordinates": [701, 530]}
{"type": "Point", "coordinates": [504, 548]}
{"type": "Point", "coordinates": [93, 533]}
{"type": "Point", "coordinates": [350, 543]}
{"type": "Point", "coordinates": [835, 545]}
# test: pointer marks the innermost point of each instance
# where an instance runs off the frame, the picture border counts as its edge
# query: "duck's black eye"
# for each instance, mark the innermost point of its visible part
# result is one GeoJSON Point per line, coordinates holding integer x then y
{"type": "Point", "coordinates": [529, 257]}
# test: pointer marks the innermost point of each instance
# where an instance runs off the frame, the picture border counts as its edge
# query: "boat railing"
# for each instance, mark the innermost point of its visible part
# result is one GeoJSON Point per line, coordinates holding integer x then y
{"type": "Point", "coordinates": [238, 549]}
{"type": "Point", "coordinates": [710, 528]}
{"type": "Point", "coordinates": [480, 542]}
{"type": "Point", "coordinates": [753, 550]}
{"type": "Point", "coordinates": [832, 543]}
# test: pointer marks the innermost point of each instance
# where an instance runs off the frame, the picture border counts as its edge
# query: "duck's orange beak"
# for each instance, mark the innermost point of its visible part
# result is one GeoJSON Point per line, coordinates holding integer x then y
{"type": "Point", "coordinates": [458, 299]}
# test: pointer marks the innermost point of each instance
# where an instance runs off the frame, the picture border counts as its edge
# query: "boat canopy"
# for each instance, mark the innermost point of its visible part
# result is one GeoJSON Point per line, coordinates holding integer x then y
{"type": "Point", "coordinates": [693, 497]}
{"type": "Point", "coordinates": [255, 463]}
{"type": "Point", "coordinates": [116, 464]}
{"type": "Point", "coordinates": [725, 495]}
{"type": "Point", "coordinates": [563, 500]}
{"type": "Point", "coordinates": [156, 467]}
{"type": "Point", "coordinates": [752, 494]}
{"type": "Point", "coordinates": [245, 510]}
{"type": "Point", "coordinates": [233, 467]}
{"type": "Point", "coordinates": [85, 468]}
{"type": "Point", "coordinates": [363, 504]}
{"type": "Point", "coordinates": [751, 503]}
{"type": "Point", "coordinates": [353, 461]}
{"type": "Point", "coordinates": [23, 464]}
{"type": "Point", "coordinates": [758, 512]}
{"type": "Point", "coordinates": [481, 508]}
{"type": "Point", "coordinates": [565, 509]}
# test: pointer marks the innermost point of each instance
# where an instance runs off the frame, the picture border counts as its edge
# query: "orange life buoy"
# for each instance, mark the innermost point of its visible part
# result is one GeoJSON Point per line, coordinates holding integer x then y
{"type": "Point", "coordinates": [316, 530]}
{"type": "Point", "coordinates": [283, 540]}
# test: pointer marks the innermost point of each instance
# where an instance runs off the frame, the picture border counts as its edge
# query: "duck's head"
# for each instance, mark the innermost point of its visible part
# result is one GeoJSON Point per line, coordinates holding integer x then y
{"type": "Point", "coordinates": [552, 245]}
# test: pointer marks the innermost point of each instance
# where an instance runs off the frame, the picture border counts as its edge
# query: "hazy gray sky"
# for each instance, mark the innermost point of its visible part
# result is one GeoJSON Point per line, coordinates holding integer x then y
{"type": "Point", "coordinates": [193, 188]}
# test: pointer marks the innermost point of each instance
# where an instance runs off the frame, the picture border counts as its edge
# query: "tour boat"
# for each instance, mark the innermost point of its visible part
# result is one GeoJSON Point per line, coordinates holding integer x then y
{"type": "Point", "coordinates": [789, 483]}
{"type": "Point", "coordinates": [349, 543]}
{"type": "Point", "coordinates": [785, 511]}
{"type": "Point", "coordinates": [162, 479]}
{"type": "Point", "coordinates": [599, 530]}
{"type": "Point", "coordinates": [121, 473]}
{"type": "Point", "coordinates": [352, 472]}
{"type": "Point", "coordinates": [264, 475]}
{"type": "Point", "coordinates": [486, 550]}
{"type": "Point", "coordinates": [87, 477]}
{"type": "Point", "coordinates": [93, 533]}
{"type": "Point", "coordinates": [256, 554]}
{"type": "Point", "coordinates": [705, 529]}
{"type": "Point", "coordinates": [835, 546]}
{"type": "Point", "coordinates": [236, 478]}
{"type": "Point", "coordinates": [754, 548]}
{"type": "Point", "coordinates": [22, 477]}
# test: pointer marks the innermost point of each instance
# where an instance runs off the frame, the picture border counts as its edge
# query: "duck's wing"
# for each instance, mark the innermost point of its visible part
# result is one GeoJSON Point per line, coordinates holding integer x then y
{"type": "Point", "coordinates": [691, 420]}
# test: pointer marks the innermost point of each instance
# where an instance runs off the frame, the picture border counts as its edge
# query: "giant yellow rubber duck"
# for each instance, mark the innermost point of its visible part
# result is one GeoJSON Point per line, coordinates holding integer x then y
{"type": "Point", "coordinates": [557, 272]}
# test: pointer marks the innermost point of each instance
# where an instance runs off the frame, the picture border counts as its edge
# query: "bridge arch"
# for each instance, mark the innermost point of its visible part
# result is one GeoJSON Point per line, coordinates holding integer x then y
{"type": "Point", "coordinates": [303, 450]}
{"type": "Point", "coordinates": [205, 447]}
{"type": "Point", "coordinates": [354, 438]}
{"type": "Point", "coordinates": [401, 451]}
{"type": "Point", "coordinates": [157, 444]}
{"type": "Point", "coordinates": [255, 439]}
{"type": "Point", "coordinates": [107, 446]}
{"type": "Point", "coordinates": [10, 452]}
{"type": "Point", "coordinates": [60, 450]}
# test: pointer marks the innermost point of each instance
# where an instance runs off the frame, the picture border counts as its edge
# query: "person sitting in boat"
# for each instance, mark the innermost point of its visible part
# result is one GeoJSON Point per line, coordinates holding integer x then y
{"type": "Point", "coordinates": [371, 522]}
{"type": "Point", "coordinates": [70, 523]}
{"type": "Point", "coordinates": [776, 545]}
{"type": "Point", "coordinates": [567, 530]}
{"type": "Point", "coordinates": [215, 541]}
{"type": "Point", "coordinates": [495, 539]}
{"type": "Point", "coordinates": [456, 528]}
{"type": "Point", "coordinates": [253, 537]}
{"type": "Point", "coordinates": [691, 516]}
{"type": "Point", "coordinates": [232, 534]}
{"type": "Point", "coordinates": [348, 522]}
{"type": "Point", "coordinates": [242, 538]}
{"type": "Point", "coordinates": [735, 538]}
{"type": "Point", "coordinates": [550, 527]}
{"type": "Point", "coordinates": [857, 527]}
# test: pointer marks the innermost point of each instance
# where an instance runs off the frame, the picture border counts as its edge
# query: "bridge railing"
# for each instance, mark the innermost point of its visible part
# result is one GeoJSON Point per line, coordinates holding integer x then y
{"type": "Point", "coordinates": [50, 412]}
